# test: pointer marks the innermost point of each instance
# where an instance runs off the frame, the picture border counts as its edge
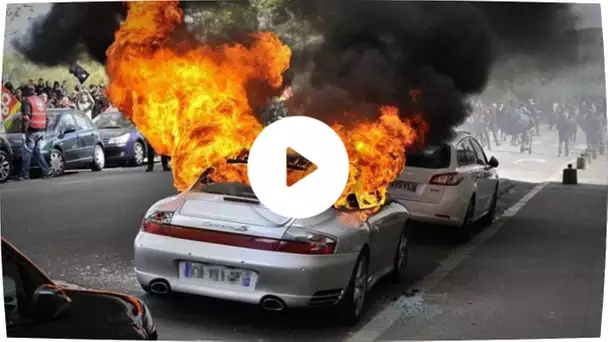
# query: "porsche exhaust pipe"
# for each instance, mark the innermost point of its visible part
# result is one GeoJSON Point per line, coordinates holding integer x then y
{"type": "Point", "coordinates": [159, 287]}
{"type": "Point", "coordinates": [272, 304]}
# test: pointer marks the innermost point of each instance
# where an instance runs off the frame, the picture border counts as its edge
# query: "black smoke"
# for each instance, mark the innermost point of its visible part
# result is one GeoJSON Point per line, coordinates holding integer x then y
{"type": "Point", "coordinates": [373, 52]}
{"type": "Point", "coordinates": [69, 30]}
{"type": "Point", "coordinates": [376, 52]}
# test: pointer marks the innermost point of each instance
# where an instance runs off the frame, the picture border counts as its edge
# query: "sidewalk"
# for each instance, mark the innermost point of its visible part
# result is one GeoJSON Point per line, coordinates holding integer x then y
{"type": "Point", "coordinates": [540, 276]}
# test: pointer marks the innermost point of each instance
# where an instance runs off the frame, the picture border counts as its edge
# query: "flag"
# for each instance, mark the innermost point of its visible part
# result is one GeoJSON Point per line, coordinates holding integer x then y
{"type": "Point", "coordinates": [10, 105]}
{"type": "Point", "coordinates": [79, 72]}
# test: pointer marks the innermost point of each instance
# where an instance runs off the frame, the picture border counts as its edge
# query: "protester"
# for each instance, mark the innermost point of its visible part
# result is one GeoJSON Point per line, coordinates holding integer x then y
{"type": "Point", "coordinates": [85, 103]}
{"type": "Point", "coordinates": [151, 154]}
{"type": "Point", "coordinates": [34, 115]}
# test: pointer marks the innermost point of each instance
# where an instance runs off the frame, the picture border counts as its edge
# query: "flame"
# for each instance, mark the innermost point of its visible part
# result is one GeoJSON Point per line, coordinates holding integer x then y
{"type": "Point", "coordinates": [189, 99]}
{"type": "Point", "coordinates": [376, 151]}
{"type": "Point", "coordinates": [190, 102]}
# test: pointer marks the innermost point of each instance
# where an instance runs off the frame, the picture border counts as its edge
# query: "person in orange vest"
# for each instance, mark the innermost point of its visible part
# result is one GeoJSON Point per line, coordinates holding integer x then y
{"type": "Point", "coordinates": [34, 114]}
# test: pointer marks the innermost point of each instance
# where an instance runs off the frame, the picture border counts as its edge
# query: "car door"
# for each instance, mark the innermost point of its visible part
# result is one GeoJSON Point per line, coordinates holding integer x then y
{"type": "Point", "coordinates": [486, 180]}
{"type": "Point", "coordinates": [468, 168]}
{"type": "Point", "coordinates": [86, 137]}
{"type": "Point", "coordinates": [68, 142]}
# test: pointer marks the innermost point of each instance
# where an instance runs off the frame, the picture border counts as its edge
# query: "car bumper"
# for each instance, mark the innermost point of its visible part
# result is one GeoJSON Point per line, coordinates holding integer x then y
{"type": "Point", "coordinates": [116, 154]}
{"type": "Point", "coordinates": [450, 211]}
{"type": "Point", "coordinates": [298, 280]}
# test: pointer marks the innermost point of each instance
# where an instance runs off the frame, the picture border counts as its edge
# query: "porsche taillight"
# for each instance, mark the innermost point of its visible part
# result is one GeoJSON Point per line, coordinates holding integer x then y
{"type": "Point", "coordinates": [295, 240]}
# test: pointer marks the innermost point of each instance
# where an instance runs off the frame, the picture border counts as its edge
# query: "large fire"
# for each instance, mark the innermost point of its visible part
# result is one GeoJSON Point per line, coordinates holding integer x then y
{"type": "Point", "coordinates": [190, 101]}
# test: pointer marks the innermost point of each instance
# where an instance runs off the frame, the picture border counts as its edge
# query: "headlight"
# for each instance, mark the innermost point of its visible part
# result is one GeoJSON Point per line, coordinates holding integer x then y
{"type": "Point", "coordinates": [120, 140]}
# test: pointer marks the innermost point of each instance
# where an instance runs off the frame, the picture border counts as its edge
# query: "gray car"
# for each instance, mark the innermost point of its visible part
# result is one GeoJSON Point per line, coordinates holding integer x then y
{"type": "Point", "coordinates": [218, 240]}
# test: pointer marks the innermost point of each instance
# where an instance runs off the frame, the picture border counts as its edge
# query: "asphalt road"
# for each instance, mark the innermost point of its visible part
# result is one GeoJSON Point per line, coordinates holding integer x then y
{"type": "Point", "coordinates": [79, 228]}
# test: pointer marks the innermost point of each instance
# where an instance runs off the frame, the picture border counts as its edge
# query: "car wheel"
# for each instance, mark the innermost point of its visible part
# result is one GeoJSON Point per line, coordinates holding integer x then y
{"type": "Point", "coordinates": [99, 158]}
{"type": "Point", "coordinates": [138, 154]}
{"type": "Point", "coordinates": [57, 162]}
{"type": "Point", "coordinates": [5, 167]}
{"type": "Point", "coordinates": [464, 233]}
{"type": "Point", "coordinates": [488, 219]}
{"type": "Point", "coordinates": [352, 303]}
{"type": "Point", "coordinates": [401, 254]}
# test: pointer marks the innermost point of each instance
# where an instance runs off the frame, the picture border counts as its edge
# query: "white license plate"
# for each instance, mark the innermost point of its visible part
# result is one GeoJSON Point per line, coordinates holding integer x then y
{"type": "Point", "coordinates": [401, 185]}
{"type": "Point", "coordinates": [219, 275]}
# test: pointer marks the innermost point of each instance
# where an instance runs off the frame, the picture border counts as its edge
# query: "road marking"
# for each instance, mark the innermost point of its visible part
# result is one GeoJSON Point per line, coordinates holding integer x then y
{"type": "Point", "coordinates": [530, 160]}
{"type": "Point", "coordinates": [382, 321]}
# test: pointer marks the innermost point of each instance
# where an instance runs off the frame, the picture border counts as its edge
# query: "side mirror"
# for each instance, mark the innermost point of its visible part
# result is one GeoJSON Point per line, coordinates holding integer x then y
{"type": "Point", "coordinates": [493, 162]}
{"type": "Point", "coordinates": [50, 302]}
{"type": "Point", "coordinates": [69, 129]}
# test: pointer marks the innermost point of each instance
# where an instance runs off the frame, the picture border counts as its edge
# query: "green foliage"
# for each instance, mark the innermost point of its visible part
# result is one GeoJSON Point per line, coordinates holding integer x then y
{"type": "Point", "coordinates": [19, 71]}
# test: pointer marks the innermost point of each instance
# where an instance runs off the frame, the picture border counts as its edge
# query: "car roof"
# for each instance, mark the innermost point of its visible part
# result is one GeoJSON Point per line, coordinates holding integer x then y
{"type": "Point", "coordinates": [459, 136]}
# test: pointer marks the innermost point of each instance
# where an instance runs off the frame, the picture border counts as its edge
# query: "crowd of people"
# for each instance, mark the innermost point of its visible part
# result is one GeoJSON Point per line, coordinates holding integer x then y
{"type": "Point", "coordinates": [90, 100]}
{"type": "Point", "coordinates": [497, 121]}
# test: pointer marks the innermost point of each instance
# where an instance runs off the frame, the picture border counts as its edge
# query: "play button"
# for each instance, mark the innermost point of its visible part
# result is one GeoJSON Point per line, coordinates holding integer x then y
{"type": "Point", "coordinates": [313, 142]}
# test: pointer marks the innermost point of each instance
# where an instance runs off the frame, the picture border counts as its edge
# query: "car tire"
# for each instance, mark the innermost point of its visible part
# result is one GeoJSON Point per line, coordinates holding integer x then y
{"type": "Point", "coordinates": [5, 167]}
{"type": "Point", "coordinates": [57, 162]}
{"type": "Point", "coordinates": [464, 233]}
{"type": "Point", "coordinates": [99, 158]}
{"type": "Point", "coordinates": [401, 255]}
{"type": "Point", "coordinates": [488, 219]}
{"type": "Point", "coordinates": [139, 154]}
{"type": "Point", "coordinates": [352, 304]}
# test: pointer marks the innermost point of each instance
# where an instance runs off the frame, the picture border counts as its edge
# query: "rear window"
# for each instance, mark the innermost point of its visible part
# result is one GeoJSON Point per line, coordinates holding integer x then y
{"type": "Point", "coordinates": [432, 157]}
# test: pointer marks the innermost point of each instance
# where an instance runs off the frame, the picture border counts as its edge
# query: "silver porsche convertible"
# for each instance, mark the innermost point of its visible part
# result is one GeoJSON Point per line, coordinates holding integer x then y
{"type": "Point", "coordinates": [218, 240]}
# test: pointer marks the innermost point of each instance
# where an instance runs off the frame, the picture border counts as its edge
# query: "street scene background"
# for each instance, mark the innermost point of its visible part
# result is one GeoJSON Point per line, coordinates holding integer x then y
{"type": "Point", "coordinates": [538, 272]}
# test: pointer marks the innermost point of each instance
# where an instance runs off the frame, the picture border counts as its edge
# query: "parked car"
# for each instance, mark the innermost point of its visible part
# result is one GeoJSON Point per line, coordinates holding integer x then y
{"type": "Point", "coordinates": [124, 144]}
{"type": "Point", "coordinates": [453, 184]}
{"type": "Point", "coordinates": [71, 141]}
{"type": "Point", "coordinates": [6, 158]}
{"type": "Point", "coordinates": [37, 307]}
{"type": "Point", "coordinates": [218, 240]}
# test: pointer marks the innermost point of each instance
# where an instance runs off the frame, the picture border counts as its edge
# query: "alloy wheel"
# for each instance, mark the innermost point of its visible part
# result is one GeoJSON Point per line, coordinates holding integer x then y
{"type": "Point", "coordinates": [360, 288]}
{"type": "Point", "coordinates": [139, 154]}
{"type": "Point", "coordinates": [57, 163]}
{"type": "Point", "coordinates": [402, 254]}
{"type": "Point", "coordinates": [100, 158]}
{"type": "Point", "coordinates": [5, 167]}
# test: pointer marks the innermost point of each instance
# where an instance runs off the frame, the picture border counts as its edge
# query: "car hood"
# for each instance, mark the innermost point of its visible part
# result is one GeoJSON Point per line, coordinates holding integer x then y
{"type": "Point", "coordinates": [100, 315]}
{"type": "Point", "coordinates": [108, 133]}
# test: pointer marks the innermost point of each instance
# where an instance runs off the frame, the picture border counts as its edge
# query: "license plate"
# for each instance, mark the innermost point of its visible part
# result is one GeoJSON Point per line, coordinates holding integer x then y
{"type": "Point", "coordinates": [219, 275]}
{"type": "Point", "coordinates": [401, 185]}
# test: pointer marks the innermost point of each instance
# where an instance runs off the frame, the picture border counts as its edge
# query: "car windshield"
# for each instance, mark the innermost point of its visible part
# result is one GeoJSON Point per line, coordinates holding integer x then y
{"type": "Point", "coordinates": [431, 157]}
{"type": "Point", "coordinates": [111, 120]}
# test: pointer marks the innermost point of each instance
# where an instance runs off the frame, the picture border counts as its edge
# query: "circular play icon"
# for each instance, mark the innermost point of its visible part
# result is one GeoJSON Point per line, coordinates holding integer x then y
{"type": "Point", "coordinates": [318, 144]}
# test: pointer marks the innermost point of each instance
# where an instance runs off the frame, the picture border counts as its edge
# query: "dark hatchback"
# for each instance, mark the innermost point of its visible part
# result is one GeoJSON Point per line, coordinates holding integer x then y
{"type": "Point", "coordinates": [124, 144]}
{"type": "Point", "coordinates": [71, 141]}
{"type": "Point", "coordinates": [36, 307]}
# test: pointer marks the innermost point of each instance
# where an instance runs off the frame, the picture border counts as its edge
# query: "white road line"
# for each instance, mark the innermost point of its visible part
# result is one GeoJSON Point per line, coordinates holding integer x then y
{"type": "Point", "coordinates": [391, 314]}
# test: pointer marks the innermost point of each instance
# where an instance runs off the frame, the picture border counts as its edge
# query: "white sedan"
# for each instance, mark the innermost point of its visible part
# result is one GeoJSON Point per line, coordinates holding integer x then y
{"type": "Point", "coordinates": [453, 184]}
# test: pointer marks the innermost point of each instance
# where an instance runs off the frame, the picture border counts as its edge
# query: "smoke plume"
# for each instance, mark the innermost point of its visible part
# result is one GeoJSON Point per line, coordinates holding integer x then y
{"type": "Point", "coordinates": [376, 52]}
{"type": "Point", "coordinates": [373, 52]}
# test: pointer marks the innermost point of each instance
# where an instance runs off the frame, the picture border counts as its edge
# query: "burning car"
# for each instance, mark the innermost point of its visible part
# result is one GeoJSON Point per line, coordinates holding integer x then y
{"type": "Point", "coordinates": [216, 239]}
